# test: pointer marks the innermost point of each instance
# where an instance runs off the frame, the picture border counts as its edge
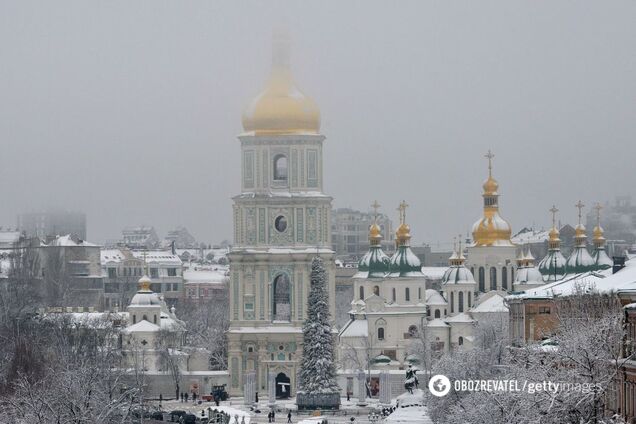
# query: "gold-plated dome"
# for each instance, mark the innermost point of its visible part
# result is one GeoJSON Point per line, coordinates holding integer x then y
{"type": "Point", "coordinates": [403, 233]}
{"type": "Point", "coordinates": [491, 229]}
{"type": "Point", "coordinates": [554, 234]}
{"type": "Point", "coordinates": [491, 186]}
{"type": "Point", "coordinates": [281, 108]}
{"type": "Point", "coordinates": [375, 233]}
{"type": "Point", "coordinates": [598, 233]}
{"type": "Point", "coordinates": [144, 284]}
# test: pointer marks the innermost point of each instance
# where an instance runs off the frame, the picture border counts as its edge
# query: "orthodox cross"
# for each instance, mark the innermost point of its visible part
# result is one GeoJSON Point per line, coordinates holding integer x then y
{"type": "Point", "coordinates": [375, 205]}
{"type": "Point", "coordinates": [489, 155]}
{"type": "Point", "coordinates": [554, 211]}
{"type": "Point", "coordinates": [598, 208]}
{"type": "Point", "coordinates": [402, 209]}
{"type": "Point", "coordinates": [145, 263]}
{"type": "Point", "coordinates": [580, 206]}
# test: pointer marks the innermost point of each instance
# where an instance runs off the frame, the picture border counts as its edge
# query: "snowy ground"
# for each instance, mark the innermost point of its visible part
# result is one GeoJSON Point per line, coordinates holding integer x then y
{"type": "Point", "coordinates": [235, 407]}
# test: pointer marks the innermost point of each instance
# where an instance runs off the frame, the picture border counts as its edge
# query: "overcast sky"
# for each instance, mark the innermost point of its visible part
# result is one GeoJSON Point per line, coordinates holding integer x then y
{"type": "Point", "coordinates": [129, 110]}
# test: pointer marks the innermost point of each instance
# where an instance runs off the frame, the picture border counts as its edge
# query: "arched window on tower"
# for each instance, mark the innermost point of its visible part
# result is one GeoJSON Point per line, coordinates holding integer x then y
{"type": "Point", "coordinates": [393, 295]}
{"type": "Point", "coordinates": [469, 299]}
{"type": "Point", "coordinates": [460, 297]}
{"type": "Point", "coordinates": [437, 314]}
{"type": "Point", "coordinates": [407, 294]}
{"type": "Point", "coordinates": [361, 289]}
{"type": "Point", "coordinates": [452, 302]}
{"type": "Point", "coordinates": [482, 279]}
{"type": "Point", "coordinates": [376, 290]}
{"type": "Point", "coordinates": [280, 168]}
{"type": "Point", "coordinates": [493, 278]}
{"type": "Point", "coordinates": [380, 333]}
{"type": "Point", "coordinates": [504, 278]}
{"type": "Point", "coordinates": [460, 340]}
{"type": "Point", "coordinates": [281, 309]}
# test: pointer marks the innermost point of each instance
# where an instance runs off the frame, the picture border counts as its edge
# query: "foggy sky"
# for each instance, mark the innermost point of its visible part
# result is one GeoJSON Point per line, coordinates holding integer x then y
{"type": "Point", "coordinates": [129, 110]}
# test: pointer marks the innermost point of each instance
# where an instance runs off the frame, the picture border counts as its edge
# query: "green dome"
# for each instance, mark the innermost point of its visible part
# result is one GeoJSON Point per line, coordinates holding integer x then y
{"type": "Point", "coordinates": [601, 260]}
{"type": "Point", "coordinates": [579, 261]}
{"type": "Point", "coordinates": [553, 267]}
{"type": "Point", "coordinates": [404, 263]}
{"type": "Point", "coordinates": [375, 263]}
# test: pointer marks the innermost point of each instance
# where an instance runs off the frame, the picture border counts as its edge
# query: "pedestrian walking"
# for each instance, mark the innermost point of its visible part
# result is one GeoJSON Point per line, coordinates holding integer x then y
{"type": "Point", "coordinates": [289, 417]}
{"type": "Point", "coordinates": [269, 417]}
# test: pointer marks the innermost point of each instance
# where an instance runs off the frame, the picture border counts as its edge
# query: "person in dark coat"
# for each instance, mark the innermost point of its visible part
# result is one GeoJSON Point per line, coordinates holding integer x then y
{"type": "Point", "coordinates": [273, 416]}
{"type": "Point", "coordinates": [289, 417]}
{"type": "Point", "coordinates": [256, 397]}
{"type": "Point", "coordinates": [269, 417]}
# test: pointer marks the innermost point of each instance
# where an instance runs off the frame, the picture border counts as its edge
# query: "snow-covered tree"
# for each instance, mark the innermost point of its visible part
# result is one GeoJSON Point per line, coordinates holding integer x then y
{"type": "Point", "coordinates": [317, 370]}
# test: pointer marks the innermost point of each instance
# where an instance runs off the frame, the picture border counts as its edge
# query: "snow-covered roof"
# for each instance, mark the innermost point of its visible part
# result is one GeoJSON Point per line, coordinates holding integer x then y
{"type": "Point", "coordinates": [157, 257]}
{"type": "Point", "coordinates": [437, 322]}
{"type": "Point", "coordinates": [461, 317]}
{"type": "Point", "coordinates": [67, 241]}
{"type": "Point", "coordinates": [111, 255]}
{"type": "Point", "coordinates": [218, 276]}
{"type": "Point", "coordinates": [531, 236]}
{"type": "Point", "coordinates": [285, 251]}
{"type": "Point", "coordinates": [494, 303]}
{"type": "Point", "coordinates": [601, 281]}
{"type": "Point", "coordinates": [434, 272]}
{"type": "Point", "coordinates": [433, 298]}
{"type": "Point", "coordinates": [142, 326]}
{"type": "Point", "coordinates": [356, 328]}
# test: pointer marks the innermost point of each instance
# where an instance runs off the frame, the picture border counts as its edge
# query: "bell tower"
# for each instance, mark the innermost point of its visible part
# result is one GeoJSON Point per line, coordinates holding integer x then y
{"type": "Point", "coordinates": [281, 221]}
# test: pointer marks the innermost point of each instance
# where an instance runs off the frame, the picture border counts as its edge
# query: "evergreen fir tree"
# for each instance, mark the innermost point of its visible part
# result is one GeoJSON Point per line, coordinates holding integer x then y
{"type": "Point", "coordinates": [317, 370]}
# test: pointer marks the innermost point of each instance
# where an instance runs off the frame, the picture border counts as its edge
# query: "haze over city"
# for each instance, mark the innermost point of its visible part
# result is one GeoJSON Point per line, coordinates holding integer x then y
{"type": "Point", "coordinates": [129, 111]}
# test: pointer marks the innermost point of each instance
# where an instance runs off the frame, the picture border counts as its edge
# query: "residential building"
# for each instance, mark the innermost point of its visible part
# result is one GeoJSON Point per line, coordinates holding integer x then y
{"type": "Point", "coordinates": [140, 237]}
{"type": "Point", "coordinates": [349, 229]}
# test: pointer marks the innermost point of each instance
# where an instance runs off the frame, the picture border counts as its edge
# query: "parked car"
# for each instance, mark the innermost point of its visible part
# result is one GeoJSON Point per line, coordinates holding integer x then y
{"type": "Point", "coordinates": [176, 415]}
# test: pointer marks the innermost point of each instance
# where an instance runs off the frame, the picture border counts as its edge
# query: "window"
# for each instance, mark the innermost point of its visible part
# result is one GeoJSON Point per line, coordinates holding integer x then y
{"type": "Point", "coordinates": [134, 319]}
{"type": "Point", "coordinates": [380, 333]}
{"type": "Point", "coordinates": [419, 293]}
{"type": "Point", "coordinates": [460, 341]}
{"type": "Point", "coordinates": [413, 330]}
{"type": "Point", "coordinates": [428, 312]}
{"type": "Point", "coordinates": [281, 308]}
{"type": "Point", "coordinates": [461, 301]}
{"type": "Point", "coordinates": [437, 314]}
{"type": "Point", "coordinates": [154, 319]}
{"type": "Point", "coordinates": [469, 299]}
{"type": "Point", "coordinates": [482, 279]}
{"type": "Point", "coordinates": [504, 278]}
{"type": "Point", "coordinates": [172, 272]}
{"type": "Point", "coordinates": [280, 223]}
{"type": "Point", "coordinates": [376, 290]}
{"type": "Point", "coordinates": [112, 272]}
{"type": "Point", "coordinates": [452, 302]}
{"type": "Point", "coordinates": [493, 278]}
{"type": "Point", "coordinates": [154, 272]}
{"type": "Point", "coordinates": [145, 317]}
{"type": "Point", "coordinates": [280, 168]}
{"type": "Point", "coordinates": [407, 294]}
{"type": "Point", "coordinates": [393, 296]}
{"type": "Point", "coordinates": [544, 309]}
{"type": "Point", "coordinates": [361, 289]}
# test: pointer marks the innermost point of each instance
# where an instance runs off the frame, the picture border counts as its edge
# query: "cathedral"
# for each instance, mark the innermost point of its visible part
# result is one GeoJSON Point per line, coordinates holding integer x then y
{"type": "Point", "coordinates": [281, 221]}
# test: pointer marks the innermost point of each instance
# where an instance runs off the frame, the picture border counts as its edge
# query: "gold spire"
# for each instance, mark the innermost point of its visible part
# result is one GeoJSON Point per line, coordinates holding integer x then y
{"type": "Point", "coordinates": [492, 229]}
{"type": "Point", "coordinates": [281, 108]}
{"type": "Point", "coordinates": [579, 231]}
{"type": "Point", "coordinates": [554, 242]}
{"type": "Point", "coordinates": [375, 233]}
{"type": "Point", "coordinates": [144, 281]}
{"type": "Point", "coordinates": [599, 239]}
{"type": "Point", "coordinates": [403, 233]}
{"type": "Point", "coordinates": [490, 186]}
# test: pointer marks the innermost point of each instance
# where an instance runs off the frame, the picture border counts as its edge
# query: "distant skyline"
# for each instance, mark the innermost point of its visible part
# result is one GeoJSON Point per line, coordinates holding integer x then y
{"type": "Point", "coordinates": [129, 111]}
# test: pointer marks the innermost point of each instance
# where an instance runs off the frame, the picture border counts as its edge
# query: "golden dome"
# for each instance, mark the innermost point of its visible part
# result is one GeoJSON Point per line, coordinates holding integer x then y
{"type": "Point", "coordinates": [490, 186]}
{"type": "Point", "coordinates": [403, 233]}
{"type": "Point", "coordinates": [281, 108]}
{"type": "Point", "coordinates": [554, 234]}
{"type": "Point", "coordinates": [375, 233]}
{"type": "Point", "coordinates": [598, 233]}
{"type": "Point", "coordinates": [579, 231]}
{"type": "Point", "coordinates": [144, 283]}
{"type": "Point", "coordinates": [492, 230]}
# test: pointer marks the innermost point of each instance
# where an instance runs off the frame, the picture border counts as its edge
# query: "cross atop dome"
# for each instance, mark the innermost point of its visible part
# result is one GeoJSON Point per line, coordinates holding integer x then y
{"type": "Point", "coordinates": [490, 157]}
{"type": "Point", "coordinates": [402, 210]}
{"type": "Point", "coordinates": [554, 211]}
{"type": "Point", "coordinates": [579, 205]}
{"type": "Point", "coordinates": [375, 205]}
